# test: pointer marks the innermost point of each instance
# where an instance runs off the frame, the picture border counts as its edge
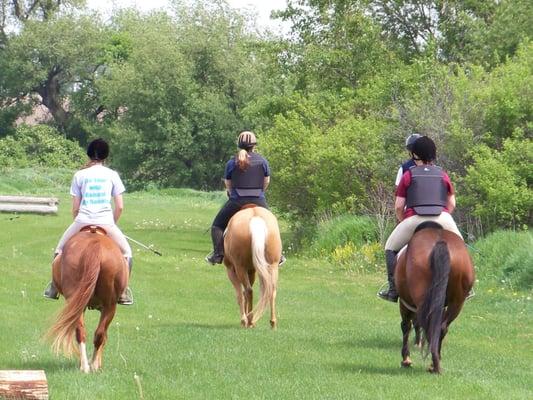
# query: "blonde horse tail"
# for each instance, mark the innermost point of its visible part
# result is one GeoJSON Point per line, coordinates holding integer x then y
{"type": "Point", "coordinates": [258, 231]}
{"type": "Point", "coordinates": [64, 330]}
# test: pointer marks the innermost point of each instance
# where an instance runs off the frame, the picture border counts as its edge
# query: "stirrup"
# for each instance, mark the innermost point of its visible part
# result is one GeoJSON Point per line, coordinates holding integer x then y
{"type": "Point", "coordinates": [213, 258]}
{"type": "Point", "coordinates": [126, 298]}
{"type": "Point", "coordinates": [282, 260]}
{"type": "Point", "coordinates": [470, 294]}
{"type": "Point", "coordinates": [386, 295]}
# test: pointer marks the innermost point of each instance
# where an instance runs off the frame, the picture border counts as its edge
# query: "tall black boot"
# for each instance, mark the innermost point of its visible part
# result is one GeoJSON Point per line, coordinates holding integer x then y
{"type": "Point", "coordinates": [217, 236]}
{"type": "Point", "coordinates": [126, 298]}
{"type": "Point", "coordinates": [51, 291]}
{"type": "Point", "coordinates": [391, 294]}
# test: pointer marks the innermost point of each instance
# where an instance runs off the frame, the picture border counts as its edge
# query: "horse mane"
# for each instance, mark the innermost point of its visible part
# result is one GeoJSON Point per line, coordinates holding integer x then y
{"type": "Point", "coordinates": [428, 225]}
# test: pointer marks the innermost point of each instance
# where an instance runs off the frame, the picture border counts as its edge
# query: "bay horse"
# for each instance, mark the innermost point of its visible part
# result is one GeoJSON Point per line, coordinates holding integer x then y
{"type": "Point", "coordinates": [253, 244]}
{"type": "Point", "coordinates": [433, 276]}
{"type": "Point", "coordinates": [90, 273]}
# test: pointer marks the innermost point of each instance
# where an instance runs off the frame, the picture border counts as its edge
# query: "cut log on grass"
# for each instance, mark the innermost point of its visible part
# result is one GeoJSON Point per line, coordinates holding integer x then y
{"type": "Point", "coordinates": [27, 204]}
{"type": "Point", "coordinates": [30, 384]}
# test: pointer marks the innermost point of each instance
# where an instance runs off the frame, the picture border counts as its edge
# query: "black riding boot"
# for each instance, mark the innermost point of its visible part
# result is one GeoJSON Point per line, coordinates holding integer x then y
{"type": "Point", "coordinates": [51, 291]}
{"type": "Point", "coordinates": [391, 294]}
{"type": "Point", "coordinates": [126, 298]}
{"type": "Point", "coordinates": [217, 236]}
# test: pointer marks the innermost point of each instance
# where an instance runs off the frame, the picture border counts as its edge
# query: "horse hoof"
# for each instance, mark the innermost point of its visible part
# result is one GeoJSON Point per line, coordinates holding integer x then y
{"type": "Point", "coordinates": [273, 325]}
{"type": "Point", "coordinates": [407, 363]}
{"type": "Point", "coordinates": [433, 370]}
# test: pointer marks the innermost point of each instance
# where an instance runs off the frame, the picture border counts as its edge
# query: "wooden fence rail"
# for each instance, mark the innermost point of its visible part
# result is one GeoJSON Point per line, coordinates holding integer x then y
{"type": "Point", "coordinates": [27, 204]}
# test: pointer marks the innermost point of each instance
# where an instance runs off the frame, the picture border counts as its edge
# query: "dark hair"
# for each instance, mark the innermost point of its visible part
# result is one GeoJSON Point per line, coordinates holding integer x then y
{"type": "Point", "coordinates": [98, 149]}
{"type": "Point", "coordinates": [424, 148]}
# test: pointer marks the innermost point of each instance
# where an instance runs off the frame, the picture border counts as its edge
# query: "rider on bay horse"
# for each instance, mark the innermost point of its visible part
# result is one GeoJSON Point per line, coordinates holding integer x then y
{"type": "Point", "coordinates": [92, 188]}
{"type": "Point", "coordinates": [424, 193]}
{"type": "Point", "coordinates": [246, 177]}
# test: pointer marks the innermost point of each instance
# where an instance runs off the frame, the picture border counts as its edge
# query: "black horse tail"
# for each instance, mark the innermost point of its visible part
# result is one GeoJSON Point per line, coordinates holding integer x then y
{"type": "Point", "coordinates": [431, 311]}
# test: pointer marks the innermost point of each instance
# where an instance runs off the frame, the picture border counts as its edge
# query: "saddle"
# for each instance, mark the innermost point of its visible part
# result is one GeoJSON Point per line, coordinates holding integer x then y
{"type": "Point", "coordinates": [94, 229]}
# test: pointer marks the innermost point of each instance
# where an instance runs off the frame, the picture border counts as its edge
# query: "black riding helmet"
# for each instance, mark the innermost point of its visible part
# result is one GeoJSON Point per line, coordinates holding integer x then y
{"type": "Point", "coordinates": [246, 140]}
{"type": "Point", "coordinates": [424, 148]}
{"type": "Point", "coordinates": [410, 141]}
{"type": "Point", "coordinates": [98, 150]}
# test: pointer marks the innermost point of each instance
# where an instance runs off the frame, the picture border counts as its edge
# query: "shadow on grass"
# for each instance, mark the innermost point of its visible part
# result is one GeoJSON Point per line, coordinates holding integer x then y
{"type": "Point", "coordinates": [384, 342]}
{"type": "Point", "coordinates": [52, 365]}
{"type": "Point", "coordinates": [209, 326]}
{"type": "Point", "coordinates": [378, 370]}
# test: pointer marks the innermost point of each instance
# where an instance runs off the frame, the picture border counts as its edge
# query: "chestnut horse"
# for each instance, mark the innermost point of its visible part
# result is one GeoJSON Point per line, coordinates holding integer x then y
{"type": "Point", "coordinates": [253, 244]}
{"type": "Point", "coordinates": [91, 273]}
{"type": "Point", "coordinates": [433, 276]}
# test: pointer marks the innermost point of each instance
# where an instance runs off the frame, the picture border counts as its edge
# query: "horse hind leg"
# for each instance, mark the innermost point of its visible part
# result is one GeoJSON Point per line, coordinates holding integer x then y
{"type": "Point", "coordinates": [406, 325]}
{"type": "Point", "coordinates": [100, 335]}
{"type": "Point", "coordinates": [238, 294]}
{"type": "Point", "coordinates": [81, 339]}
{"type": "Point", "coordinates": [273, 318]}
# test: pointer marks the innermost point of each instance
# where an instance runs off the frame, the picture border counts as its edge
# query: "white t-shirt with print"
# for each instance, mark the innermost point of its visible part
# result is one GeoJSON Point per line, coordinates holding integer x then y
{"type": "Point", "coordinates": [96, 186]}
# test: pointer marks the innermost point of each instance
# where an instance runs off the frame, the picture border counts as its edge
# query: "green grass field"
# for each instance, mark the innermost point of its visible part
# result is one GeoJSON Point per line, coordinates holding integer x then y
{"type": "Point", "coordinates": [182, 338]}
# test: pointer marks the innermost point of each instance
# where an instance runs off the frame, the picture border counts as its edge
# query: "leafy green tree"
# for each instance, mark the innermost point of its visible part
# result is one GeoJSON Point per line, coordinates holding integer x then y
{"type": "Point", "coordinates": [335, 44]}
{"type": "Point", "coordinates": [174, 109]}
{"type": "Point", "coordinates": [53, 62]}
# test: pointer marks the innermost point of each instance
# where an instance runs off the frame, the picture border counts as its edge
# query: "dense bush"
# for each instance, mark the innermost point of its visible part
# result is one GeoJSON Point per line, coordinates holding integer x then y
{"type": "Point", "coordinates": [39, 145]}
{"type": "Point", "coordinates": [324, 159]}
{"type": "Point", "coordinates": [498, 185]}
{"type": "Point", "coordinates": [349, 241]}
{"type": "Point", "coordinates": [506, 257]}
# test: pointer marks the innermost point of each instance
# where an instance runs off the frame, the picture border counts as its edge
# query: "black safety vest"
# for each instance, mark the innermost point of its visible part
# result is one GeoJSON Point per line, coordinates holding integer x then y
{"type": "Point", "coordinates": [427, 194]}
{"type": "Point", "coordinates": [249, 183]}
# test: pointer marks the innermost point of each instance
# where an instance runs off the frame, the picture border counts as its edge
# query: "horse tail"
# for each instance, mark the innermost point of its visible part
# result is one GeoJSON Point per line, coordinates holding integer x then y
{"type": "Point", "coordinates": [258, 231]}
{"type": "Point", "coordinates": [431, 311]}
{"type": "Point", "coordinates": [64, 330]}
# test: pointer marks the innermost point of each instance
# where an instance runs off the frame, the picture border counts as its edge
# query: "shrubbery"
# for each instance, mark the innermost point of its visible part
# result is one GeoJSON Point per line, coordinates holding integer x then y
{"type": "Point", "coordinates": [39, 146]}
{"type": "Point", "coordinates": [350, 241]}
{"type": "Point", "coordinates": [506, 257]}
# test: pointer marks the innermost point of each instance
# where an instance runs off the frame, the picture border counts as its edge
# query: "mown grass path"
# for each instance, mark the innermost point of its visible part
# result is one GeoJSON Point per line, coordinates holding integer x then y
{"type": "Point", "coordinates": [182, 338]}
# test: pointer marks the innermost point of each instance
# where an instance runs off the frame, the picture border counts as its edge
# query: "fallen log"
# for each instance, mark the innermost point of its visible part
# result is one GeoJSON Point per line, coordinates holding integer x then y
{"type": "Point", "coordinates": [20, 384]}
{"type": "Point", "coordinates": [27, 204]}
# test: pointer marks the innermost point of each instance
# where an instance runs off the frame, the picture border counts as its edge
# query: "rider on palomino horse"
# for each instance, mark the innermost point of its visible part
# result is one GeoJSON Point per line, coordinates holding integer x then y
{"type": "Point", "coordinates": [424, 193]}
{"type": "Point", "coordinates": [246, 178]}
{"type": "Point", "coordinates": [92, 189]}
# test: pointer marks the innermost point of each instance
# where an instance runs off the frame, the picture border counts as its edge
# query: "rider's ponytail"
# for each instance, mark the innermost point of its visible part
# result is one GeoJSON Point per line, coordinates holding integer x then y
{"type": "Point", "coordinates": [246, 143]}
{"type": "Point", "coordinates": [243, 160]}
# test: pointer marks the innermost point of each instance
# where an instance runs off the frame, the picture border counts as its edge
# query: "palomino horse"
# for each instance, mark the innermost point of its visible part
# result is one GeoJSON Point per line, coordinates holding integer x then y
{"type": "Point", "coordinates": [433, 277]}
{"type": "Point", "coordinates": [253, 243]}
{"type": "Point", "coordinates": [91, 273]}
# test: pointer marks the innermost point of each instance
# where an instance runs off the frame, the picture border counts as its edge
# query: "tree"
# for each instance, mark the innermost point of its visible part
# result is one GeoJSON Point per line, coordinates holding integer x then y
{"type": "Point", "coordinates": [174, 109]}
{"type": "Point", "coordinates": [47, 62]}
